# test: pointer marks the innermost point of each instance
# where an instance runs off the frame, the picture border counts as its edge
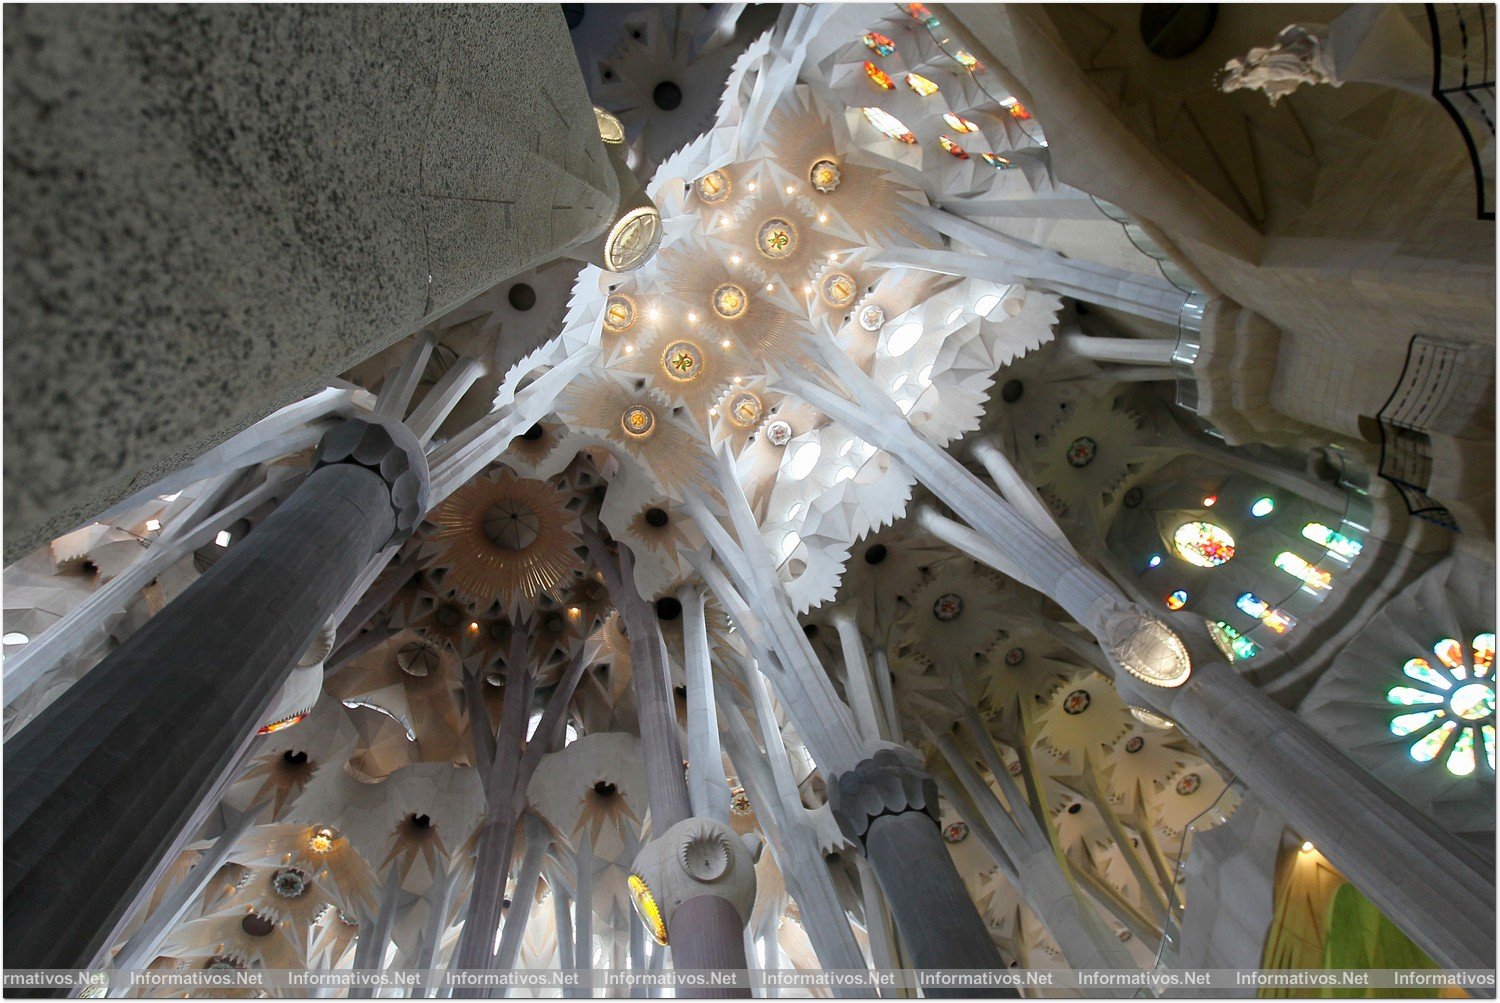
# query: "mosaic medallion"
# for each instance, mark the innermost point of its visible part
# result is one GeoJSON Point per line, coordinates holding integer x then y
{"type": "Point", "coordinates": [730, 301]}
{"type": "Point", "coordinates": [1015, 768]}
{"type": "Point", "coordinates": [778, 433]}
{"type": "Point", "coordinates": [1188, 784]}
{"type": "Point", "coordinates": [825, 176]}
{"type": "Point", "coordinates": [956, 832]}
{"type": "Point", "coordinates": [1015, 656]}
{"type": "Point", "coordinates": [948, 606]}
{"type": "Point", "coordinates": [1133, 498]}
{"type": "Point", "coordinates": [777, 238]}
{"type": "Point", "coordinates": [714, 187]}
{"type": "Point", "coordinates": [1081, 451]}
{"type": "Point", "coordinates": [638, 421]}
{"type": "Point", "coordinates": [1077, 702]}
{"type": "Point", "coordinates": [1135, 744]}
{"type": "Point", "coordinates": [682, 361]}
{"type": "Point", "coordinates": [871, 317]}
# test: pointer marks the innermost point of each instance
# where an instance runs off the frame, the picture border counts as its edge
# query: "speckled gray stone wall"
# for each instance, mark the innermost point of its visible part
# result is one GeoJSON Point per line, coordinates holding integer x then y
{"type": "Point", "coordinates": [208, 209]}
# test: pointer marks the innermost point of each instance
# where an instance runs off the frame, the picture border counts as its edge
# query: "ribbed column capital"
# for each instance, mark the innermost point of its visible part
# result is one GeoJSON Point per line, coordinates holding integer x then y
{"type": "Point", "coordinates": [891, 782]}
{"type": "Point", "coordinates": [389, 449]}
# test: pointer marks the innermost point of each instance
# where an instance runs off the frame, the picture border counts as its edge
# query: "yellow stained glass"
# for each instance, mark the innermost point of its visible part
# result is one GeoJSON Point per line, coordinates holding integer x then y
{"type": "Point", "coordinates": [879, 77]}
{"type": "Point", "coordinates": [958, 123]}
{"type": "Point", "coordinates": [1461, 761]}
{"type": "Point", "coordinates": [953, 148]}
{"type": "Point", "coordinates": [645, 906]}
{"type": "Point", "coordinates": [920, 84]}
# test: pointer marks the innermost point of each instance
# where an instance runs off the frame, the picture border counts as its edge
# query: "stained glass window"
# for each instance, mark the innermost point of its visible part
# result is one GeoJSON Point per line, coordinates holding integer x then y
{"type": "Point", "coordinates": [919, 12]}
{"type": "Point", "coordinates": [951, 147]}
{"type": "Point", "coordinates": [1313, 579]}
{"type": "Point", "coordinates": [958, 123]}
{"type": "Point", "coordinates": [996, 161]}
{"type": "Point", "coordinates": [1230, 641]}
{"type": "Point", "coordinates": [920, 84]}
{"type": "Point", "coordinates": [1177, 599]}
{"type": "Point", "coordinates": [1262, 508]}
{"type": "Point", "coordinates": [1203, 543]}
{"type": "Point", "coordinates": [1017, 109]}
{"type": "Point", "coordinates": [1450, 713]}
{"type": "Point", "coordinates": [879, 77]}
{"type": "Point", "coordinates": [1278, 620]}
{"type": "Point", "coordinates": [1338, 543]}
{"type": "Point", "coordinates": [878, 43]}
{"type": "Point", "coordinates": [888, 124]}
{"type": "Point", "coordinates": [965, 60]}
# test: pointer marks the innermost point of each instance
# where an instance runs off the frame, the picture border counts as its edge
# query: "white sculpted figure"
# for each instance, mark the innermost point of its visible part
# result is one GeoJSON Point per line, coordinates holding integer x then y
{"type": "Point", "coordinates": [1297, 57]}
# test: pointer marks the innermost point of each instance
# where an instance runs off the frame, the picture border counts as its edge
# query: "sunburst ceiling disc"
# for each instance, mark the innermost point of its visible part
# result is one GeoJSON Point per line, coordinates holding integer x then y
{"type": "Point", "coordinates": [507, 539]}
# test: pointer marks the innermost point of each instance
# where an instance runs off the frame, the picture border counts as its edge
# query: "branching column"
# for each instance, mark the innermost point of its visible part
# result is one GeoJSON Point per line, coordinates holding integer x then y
{"type": "Point", "coordinates": [119, 762]}
{"type": "Point", "coordinates": [704, 927]}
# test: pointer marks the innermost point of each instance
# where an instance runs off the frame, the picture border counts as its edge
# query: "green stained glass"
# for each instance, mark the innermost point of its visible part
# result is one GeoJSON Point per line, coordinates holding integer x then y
{"type": "Point", "coordinates": [1489, 743]}
{"type": "Point", "coordinates": [1408, 723]}
{"type": "Point", "coordinates": [1408, 696]}
{"type": "Point", "coordinates": [1422, 672]}
{"type": "Point", "coordinates": [1426, 748]}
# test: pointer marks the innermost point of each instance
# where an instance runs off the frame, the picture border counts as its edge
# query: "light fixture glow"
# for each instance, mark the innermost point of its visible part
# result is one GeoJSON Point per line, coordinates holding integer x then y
{"type": "Point", "coordinates": [223, 538]}
{"type": "Point", "coordinates": [15, 637]}
{"type": "Point", "coordinates": [152, 525]}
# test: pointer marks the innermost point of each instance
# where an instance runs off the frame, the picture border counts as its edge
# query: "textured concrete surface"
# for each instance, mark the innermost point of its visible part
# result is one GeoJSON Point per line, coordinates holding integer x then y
{"type": "Point", "coordinates": [208, 209]}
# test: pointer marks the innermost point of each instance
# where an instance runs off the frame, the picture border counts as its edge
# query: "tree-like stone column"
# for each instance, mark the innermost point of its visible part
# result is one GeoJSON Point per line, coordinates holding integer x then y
{"type": "Point", "coordinates": [101, 781]}
{"type": "Point", "coordinates": [889, 806]}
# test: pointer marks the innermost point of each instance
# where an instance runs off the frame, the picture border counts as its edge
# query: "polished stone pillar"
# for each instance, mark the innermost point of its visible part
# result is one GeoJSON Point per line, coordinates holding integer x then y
{"type": "Point", "coordinates": [888, 805]}
{"type": "Point", "coordinates": [101, 782]}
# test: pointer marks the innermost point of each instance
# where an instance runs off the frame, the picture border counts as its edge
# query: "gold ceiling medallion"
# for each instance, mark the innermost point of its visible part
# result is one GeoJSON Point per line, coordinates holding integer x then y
{"type": "Point", "coordinates": [714, 187]}
{"type": "Point", "coordinates": [682, 362]}
{"type": "Point", "coordinates": [838, 289]}
{"type": "Point", "coordinates": [509, 539]}
{"type": "Point", "coordinates": [619, 312]}
{"type": "Point", "coordinates": [638, 421]}
{"type": "Point", "coordinates": [633, 239]}
{"type": "Point", "coordinates": [777, 238]}
{"type": "Point", "coordinates": [610, 129]}
{"type": "Point", "coordinates": [825, 176]}
{"type": "Point", "coordinates": [730, 301]}
{"type": "Point", "coordinates": [745, 409]}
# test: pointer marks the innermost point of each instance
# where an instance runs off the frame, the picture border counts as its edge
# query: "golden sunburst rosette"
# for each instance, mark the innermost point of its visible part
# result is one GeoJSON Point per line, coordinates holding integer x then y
{"type": "Point", "coordinates": [506, 539]}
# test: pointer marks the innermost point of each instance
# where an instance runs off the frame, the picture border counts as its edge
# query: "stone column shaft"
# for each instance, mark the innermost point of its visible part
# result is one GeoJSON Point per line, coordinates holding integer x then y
{"type": "Point", "coordinates": [67, 636]}
{"type": "Point", "coordinates": [527, 877]}
{"type": "Point", "coordinates": [140, 950]}
{"type": "Point", "coordinates": [121, 760]}
{"type": "Point", "coordinates": [444, 397]}
{"type": "Point", "coordinates": [888, 805]}
{"type": "Point", "coordinates": [707, 786]}
{"type": "Point", "coordinates": [857, 682]}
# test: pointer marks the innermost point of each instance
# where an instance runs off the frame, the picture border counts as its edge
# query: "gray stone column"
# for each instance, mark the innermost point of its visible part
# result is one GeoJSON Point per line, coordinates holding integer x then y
{"type": "Point", "coordinates": [889, 806]}
{"type": "Point", "coordinates": [101, 781]}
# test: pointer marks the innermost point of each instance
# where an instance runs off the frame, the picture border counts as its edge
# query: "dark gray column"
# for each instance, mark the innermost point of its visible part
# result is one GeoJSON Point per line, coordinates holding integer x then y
{"type": "Point", "coordinates": [101, 781]}
{"type": "Point", "coordinates": [888, 805]}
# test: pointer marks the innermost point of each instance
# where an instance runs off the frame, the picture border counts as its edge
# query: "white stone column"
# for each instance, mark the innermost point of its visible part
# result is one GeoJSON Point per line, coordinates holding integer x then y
{"type": "Point", "coordinates": [708, 789]}
{"type": "Point", "coordinates": [857, 684]}
{"type": "Point", "coordinates": [1128, 351]}
{"type": "Point", "coordinates": [444, 397]}
{"type": "Point", "coordinates": [401, 382]}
